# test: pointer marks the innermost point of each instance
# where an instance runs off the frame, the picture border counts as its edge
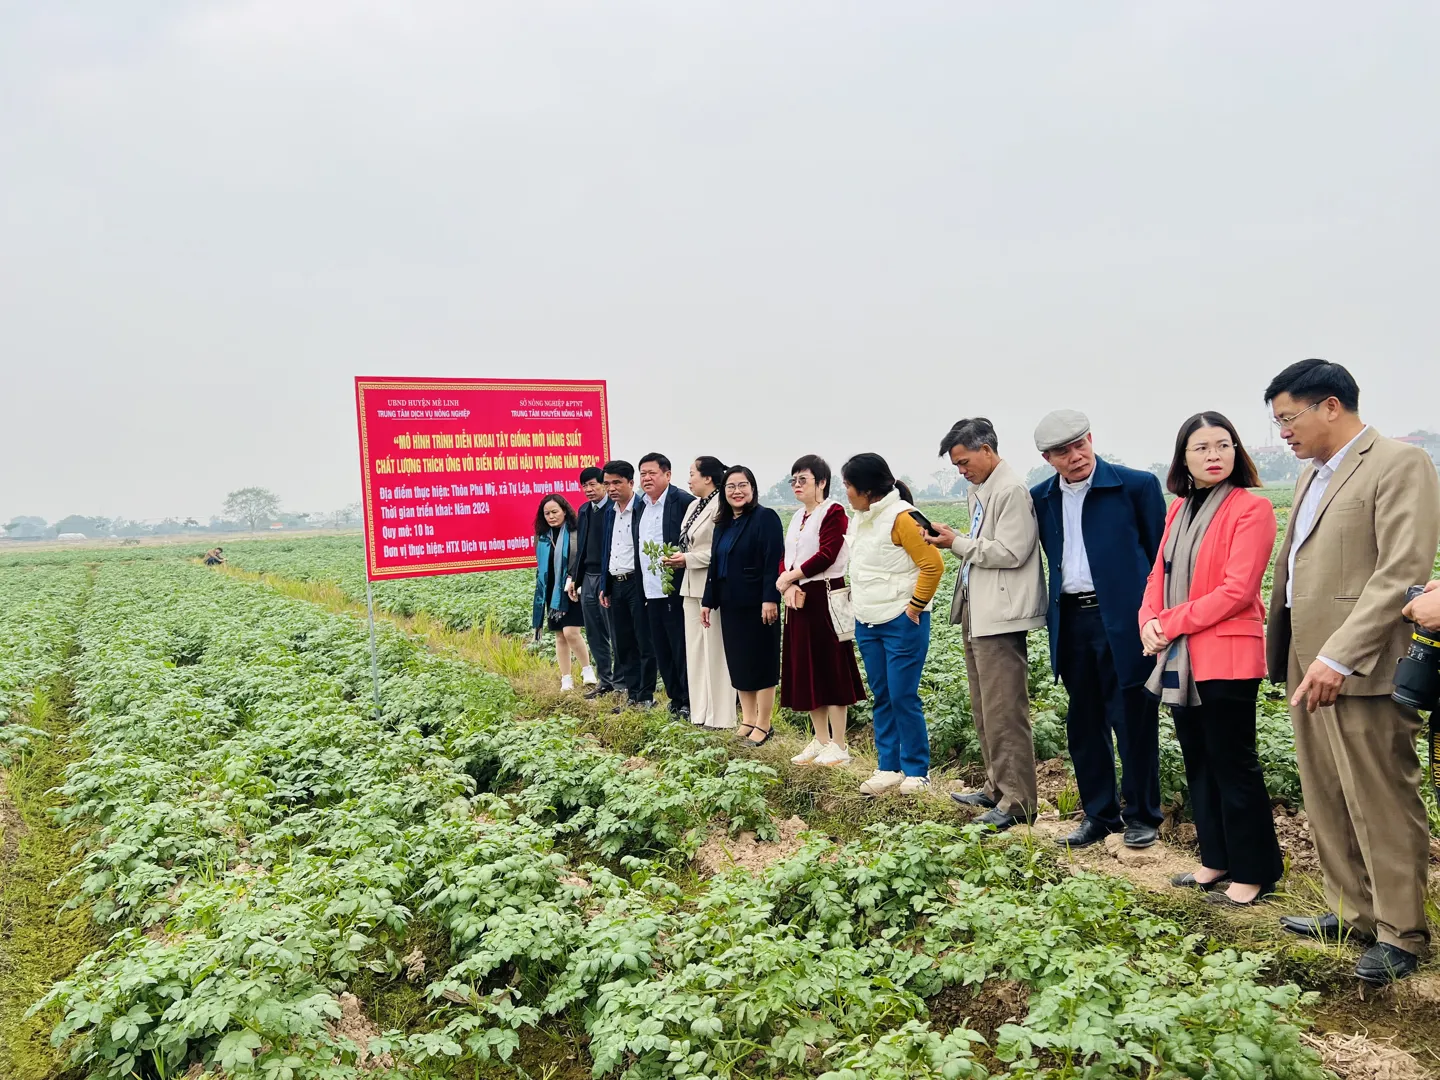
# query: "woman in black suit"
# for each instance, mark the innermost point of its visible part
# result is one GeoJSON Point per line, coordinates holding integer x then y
{"type": "Point", "coordinates": [747, 549]}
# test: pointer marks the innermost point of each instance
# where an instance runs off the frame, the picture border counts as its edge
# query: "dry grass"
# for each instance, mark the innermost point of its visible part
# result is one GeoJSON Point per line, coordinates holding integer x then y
{"type": "Point", "coordinates": [1358, 1057]}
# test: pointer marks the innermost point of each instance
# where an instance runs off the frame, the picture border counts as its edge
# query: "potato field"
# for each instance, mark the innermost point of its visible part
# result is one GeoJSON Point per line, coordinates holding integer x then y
{"type": "Point", "coordinates": [217, 860]}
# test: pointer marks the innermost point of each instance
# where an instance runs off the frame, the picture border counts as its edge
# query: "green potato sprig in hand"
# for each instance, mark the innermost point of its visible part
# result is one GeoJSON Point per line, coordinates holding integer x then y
{"type": "Point", "coordinates": [657, 554]}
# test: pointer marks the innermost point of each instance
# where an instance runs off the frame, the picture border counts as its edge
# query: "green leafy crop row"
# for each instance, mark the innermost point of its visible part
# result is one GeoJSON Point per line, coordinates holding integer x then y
{"type": "Point", "coordinates": [258, 842]}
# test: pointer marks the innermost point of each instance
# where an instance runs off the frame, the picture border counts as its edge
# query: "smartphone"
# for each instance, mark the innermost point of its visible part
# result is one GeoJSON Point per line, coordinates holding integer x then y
{"type": "Point", "coordinates": [924, 523]}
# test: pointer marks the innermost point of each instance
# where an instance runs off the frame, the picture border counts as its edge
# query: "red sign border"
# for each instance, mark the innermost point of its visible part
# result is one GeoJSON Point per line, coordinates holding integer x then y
{"type": "Point", "coordinates": [389, 383]}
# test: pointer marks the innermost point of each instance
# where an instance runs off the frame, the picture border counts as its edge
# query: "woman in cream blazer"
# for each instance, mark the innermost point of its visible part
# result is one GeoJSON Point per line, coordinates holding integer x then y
{"type": "Point", "coordinates": [712, 698]}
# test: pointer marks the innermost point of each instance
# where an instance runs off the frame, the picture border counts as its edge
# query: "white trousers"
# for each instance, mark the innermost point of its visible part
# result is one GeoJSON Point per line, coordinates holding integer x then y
{"type": "Point", "coordinates": [712, 698]}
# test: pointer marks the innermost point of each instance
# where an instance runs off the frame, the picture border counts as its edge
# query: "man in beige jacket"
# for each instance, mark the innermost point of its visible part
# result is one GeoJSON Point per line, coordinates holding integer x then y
{"type": "Point", "coordinates": [999, 596]}
{"type": "Point", "coordinates": [1364, 527]}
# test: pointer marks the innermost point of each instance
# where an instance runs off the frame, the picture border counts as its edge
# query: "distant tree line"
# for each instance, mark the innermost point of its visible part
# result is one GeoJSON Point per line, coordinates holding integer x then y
{"type": "Point", "coordinates": [245, 510]}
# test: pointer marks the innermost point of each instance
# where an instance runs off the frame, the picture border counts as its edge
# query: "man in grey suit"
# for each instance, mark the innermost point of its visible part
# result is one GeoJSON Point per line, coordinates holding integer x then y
{"type": "Point", "coordinates": [1364, 527]}
{"type": "Point", "coordinates": [999, 596]}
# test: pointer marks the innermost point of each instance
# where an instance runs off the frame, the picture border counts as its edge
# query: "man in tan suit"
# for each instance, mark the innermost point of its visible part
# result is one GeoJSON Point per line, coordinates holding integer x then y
{"type": "Point", "coordinates": [999, 596]}
{"type": "Point", "coordinates": [1364, 527]}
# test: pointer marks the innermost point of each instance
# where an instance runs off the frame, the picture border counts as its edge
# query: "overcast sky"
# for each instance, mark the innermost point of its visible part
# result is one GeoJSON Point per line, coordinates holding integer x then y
{"type": "Point", "coordinates": [775, 228]}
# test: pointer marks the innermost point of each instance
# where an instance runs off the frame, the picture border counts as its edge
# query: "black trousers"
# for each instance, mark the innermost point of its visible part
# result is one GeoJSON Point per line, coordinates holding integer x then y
{"type": "Point", "coordinates": [634, 660]}
{"type": "Point", "coordinates": [1227, 788]}
{"type": "Point", "coordinates": [1102, 714]}
{"type": "Point", "coordinates": [667, 634]}
{"type": "Point", "coordinates": [598, 633]}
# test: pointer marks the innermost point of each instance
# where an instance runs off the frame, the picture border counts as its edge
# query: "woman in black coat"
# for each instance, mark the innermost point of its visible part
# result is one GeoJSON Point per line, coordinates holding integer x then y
{"type": "Point", "coordinates": [747, 550]}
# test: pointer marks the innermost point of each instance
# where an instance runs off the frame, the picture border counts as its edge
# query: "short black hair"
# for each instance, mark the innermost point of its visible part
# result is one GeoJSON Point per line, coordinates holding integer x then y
{"type": "Point", "coordinates": [1181, 483]}
{"type": "Point", "coordinates": [658, 459]}
{"type": "Point", "coordinates": [818, 467]}
{"type": "Point", "coordinates": [1315, 380]}
{"type": "Point", "coordinates": [972, 434]}
{"type": "Point", "coordinates": [592, 473]}
{"type": "Point", "coordinates": [712, 468]}
{"type": "Point", "coordinates": [619, 468]}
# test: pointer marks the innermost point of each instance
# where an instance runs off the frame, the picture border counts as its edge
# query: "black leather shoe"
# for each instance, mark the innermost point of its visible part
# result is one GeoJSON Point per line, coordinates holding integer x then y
{"type": "Point", "coordinates": [973, 798]}
{"type": "Point", "coordinates": [1323, 928]}
{"type": "Point", "coordinates": [1089, 832]}
{"type": "Point", "coordinates": [1141, 836]}
{"type": "Point", "coordinates": [1384, 964]}
{"type": "Point", "coordinates": [1001, 819]}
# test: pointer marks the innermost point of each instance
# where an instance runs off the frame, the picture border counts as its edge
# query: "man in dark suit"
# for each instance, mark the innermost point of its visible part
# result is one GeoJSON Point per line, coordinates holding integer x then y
{"type": "Point", "coordinates": [1100, 526]}
{"type": "Point", "coordinates": [588, 576]}
{"type": "Point", "coordinates": [622, 592]}
{"type": "Point", "coordinates": [657, 520]}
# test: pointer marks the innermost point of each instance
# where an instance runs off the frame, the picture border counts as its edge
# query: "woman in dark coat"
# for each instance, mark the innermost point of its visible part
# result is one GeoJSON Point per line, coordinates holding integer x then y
{"type": "Point", "coordinates": [746, 551]}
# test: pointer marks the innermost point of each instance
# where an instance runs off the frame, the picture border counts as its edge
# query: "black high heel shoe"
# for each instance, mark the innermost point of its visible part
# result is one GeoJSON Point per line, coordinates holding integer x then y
{"type": "Point", "coordinates": [760, 742]}
{"type": "Point", "coordinates": [1221, 898]}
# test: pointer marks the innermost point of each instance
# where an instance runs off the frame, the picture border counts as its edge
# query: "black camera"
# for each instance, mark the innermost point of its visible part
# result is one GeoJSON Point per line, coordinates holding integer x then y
{"type": "Point", "coordinates": [1417, 675]}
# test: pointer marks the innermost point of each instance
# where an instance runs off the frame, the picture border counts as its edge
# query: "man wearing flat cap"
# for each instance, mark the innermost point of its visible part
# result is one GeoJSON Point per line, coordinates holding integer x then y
{"type": "Point", "coordinates": [1100, 526]}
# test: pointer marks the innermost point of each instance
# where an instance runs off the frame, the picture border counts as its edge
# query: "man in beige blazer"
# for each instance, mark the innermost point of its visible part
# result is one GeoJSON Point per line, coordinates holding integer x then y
{"type": "Point", "coordinates": [1364, 526]}
{"type": "Point", "coordinates": [1000, 595]}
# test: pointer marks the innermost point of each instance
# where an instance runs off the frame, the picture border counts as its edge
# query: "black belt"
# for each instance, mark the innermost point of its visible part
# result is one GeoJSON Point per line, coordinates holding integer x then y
{"type": "Point", "coordinates": [1083, 600]}
{"type": "Point", "coordinates": [625, 576]}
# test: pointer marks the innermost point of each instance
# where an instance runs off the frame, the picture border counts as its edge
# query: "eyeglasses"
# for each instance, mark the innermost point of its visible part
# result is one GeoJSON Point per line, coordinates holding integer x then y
{"type": "Point", "coordinates": [1222, 447]}
{"type": "Point", "coordinates": [800, 481]}
{"type": "Point", "coordinates": [1286, 421]}
{"type": "Point", "coordinates": [733, 489]}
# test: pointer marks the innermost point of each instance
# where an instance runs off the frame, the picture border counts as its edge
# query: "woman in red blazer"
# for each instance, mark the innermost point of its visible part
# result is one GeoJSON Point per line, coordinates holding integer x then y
{"type": "Point", "coordinates": [1202, 619]}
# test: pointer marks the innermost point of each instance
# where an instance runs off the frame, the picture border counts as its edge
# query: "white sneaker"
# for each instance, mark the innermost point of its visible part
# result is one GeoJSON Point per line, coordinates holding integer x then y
{"type": "Point", "coordinates": [881, 781]}
{"type": "Point", "coordinates": [587, 676]}
{"type": "Point", "coordinates": [914, 785]}
{"type": "Point", "coordinates": [567, 682]}
{"type": "Point", "coordinates": [809, 754]}
{"type": "Point", "coordinates": [832, 754]}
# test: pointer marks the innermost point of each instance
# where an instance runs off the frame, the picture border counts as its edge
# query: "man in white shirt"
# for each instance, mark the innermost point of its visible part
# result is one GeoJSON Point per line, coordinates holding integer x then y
{"type": "Point", "coordinates": [1101, 525]}
{"type": "Point", "coordinates": [1365, 527]}
{"type": "Point", "coordinates": [661, 512]}
{"type": "Point", "coordinates": [623, 592]}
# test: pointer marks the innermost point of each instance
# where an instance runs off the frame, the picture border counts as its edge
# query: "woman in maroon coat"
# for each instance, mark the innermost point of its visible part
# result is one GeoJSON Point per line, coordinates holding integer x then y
{"type": "Point", "coordinates": [818, 672]}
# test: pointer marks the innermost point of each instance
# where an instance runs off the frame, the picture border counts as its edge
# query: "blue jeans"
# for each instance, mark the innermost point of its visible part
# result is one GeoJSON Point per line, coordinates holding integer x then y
{"type": "Point", "coordinates": [894, 655]}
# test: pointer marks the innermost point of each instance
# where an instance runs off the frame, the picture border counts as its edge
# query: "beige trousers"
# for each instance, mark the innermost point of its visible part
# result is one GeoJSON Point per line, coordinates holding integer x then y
{"type": "Point", "coordinates": [1361, 777]}
{"type": "Point", "coordinates": [997, 669]}
{"type": "Point", "coordinates": [712, 698]}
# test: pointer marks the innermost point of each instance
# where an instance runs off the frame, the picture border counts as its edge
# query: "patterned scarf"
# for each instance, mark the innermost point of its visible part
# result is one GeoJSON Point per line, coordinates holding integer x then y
{"type": "Point", "coordinates": [1172, 681]}
{"type": "Point", "coordinates": [694, 518]}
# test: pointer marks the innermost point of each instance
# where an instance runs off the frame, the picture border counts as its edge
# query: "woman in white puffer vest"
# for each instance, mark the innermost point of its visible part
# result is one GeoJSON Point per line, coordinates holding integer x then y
{"type": "Point", "coordinates": [894, 576]}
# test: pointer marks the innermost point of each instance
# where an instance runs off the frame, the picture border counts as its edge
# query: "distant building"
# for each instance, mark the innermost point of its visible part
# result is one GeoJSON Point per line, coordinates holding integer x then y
{"type": "Point", "coordinates": [1429, 441]}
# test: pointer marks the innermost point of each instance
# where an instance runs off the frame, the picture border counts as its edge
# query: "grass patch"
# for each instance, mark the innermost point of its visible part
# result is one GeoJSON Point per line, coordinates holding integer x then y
{"type": "Point", "coordinates": [39, 942]}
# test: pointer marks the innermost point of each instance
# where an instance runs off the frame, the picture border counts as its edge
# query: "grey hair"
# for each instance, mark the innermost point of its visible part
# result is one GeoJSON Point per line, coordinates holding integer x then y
{"type": "Point", "coordinates": [972, 434]}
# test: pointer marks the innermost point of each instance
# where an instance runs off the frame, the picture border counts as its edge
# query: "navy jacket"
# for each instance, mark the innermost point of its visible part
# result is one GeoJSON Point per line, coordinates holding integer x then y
{"type": "Point", "coordinates": [676, 500]}
{"type": "Point", "coordinates": [753, 564]}
{"type": "Point", "coordinates": [1123, 522]}
{"type": "Point", "coordinates": [589, 516]}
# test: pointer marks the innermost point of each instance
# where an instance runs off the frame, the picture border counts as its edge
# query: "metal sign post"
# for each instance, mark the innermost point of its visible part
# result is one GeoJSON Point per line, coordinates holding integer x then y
{"type": "Point", "coordinates": [374, 661]}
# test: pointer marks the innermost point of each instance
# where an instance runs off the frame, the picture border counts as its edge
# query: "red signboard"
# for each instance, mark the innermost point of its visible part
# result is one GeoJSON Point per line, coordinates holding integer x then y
{"type": "Point", "coordinates": [454, 469]}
